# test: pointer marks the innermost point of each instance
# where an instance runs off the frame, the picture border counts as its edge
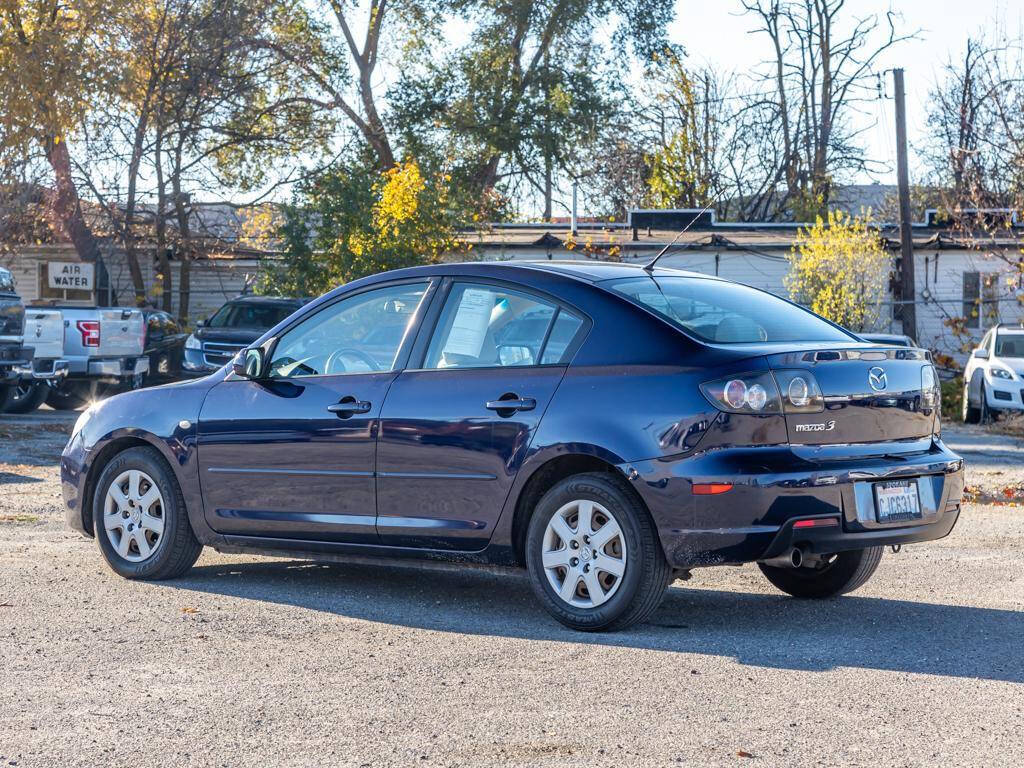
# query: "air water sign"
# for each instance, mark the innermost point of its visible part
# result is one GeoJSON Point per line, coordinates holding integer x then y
{"type": "Point", "coordinates": [71, 275]}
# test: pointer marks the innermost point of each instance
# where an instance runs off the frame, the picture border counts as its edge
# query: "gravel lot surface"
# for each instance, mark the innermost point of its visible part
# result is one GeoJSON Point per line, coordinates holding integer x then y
{"type": "Point", "coordinates": [252, 661]}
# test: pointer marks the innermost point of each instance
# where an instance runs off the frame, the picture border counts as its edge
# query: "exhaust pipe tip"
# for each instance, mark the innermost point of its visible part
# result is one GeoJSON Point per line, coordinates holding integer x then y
{"type": "Point", "coordinates": [796, 557]}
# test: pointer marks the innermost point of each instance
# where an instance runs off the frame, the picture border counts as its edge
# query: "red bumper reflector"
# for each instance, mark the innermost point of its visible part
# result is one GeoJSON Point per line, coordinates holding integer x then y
{"type": "Point", "coordinates": [709, 489]}
{"type": "Point", "coordinates": [823, 522]}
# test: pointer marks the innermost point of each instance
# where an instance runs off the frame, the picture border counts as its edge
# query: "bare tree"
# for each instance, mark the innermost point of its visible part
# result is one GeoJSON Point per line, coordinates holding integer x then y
{"type": "Point", "coordinates": [823, 61]}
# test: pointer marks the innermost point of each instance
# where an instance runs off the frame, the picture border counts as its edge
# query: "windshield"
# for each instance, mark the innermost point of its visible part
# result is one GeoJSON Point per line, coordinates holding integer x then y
{"type": "Point", "coordinates": [1010, 345]}
{"type": "Point", "coordinates": [250, 315]}
{"type": "Point", "coordinates": [726, 313]}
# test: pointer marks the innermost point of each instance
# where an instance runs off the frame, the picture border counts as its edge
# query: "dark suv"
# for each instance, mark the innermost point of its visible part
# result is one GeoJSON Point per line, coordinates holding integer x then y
{"type": "Point", "coordinates": [232, 328]}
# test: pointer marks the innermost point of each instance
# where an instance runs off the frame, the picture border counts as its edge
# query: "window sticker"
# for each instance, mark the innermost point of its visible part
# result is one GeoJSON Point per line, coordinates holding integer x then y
{"type": "Point", "coordinates": [470, 325]}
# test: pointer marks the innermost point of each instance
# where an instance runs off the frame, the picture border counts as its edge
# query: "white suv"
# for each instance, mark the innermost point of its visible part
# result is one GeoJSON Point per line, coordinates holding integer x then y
{"type": "Point", "coordinates": [994, 377]}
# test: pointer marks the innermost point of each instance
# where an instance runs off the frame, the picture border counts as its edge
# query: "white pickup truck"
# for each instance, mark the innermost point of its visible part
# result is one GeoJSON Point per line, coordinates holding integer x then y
{"type": "Point", "coordinates": [103, 348]}
{"type": "Point", "coordinates": [44, 335]}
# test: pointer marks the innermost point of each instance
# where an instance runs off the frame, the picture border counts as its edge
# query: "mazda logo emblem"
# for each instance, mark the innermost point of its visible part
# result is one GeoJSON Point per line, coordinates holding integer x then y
{"type": "Point", "coordinates": [877, 380]}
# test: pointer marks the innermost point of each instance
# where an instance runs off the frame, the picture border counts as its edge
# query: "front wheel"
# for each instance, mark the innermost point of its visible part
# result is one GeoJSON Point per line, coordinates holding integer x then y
{"type": "Point", "coordinates": [593, 555]}
{"type": "Point", "coordinates": [970, 414]}
{"type": "Point", "coordinates": [25, 397]}
{"type": "Point", "coordinates": [140, 520]}
{"type": "Point", "coordinates": [831, 576]}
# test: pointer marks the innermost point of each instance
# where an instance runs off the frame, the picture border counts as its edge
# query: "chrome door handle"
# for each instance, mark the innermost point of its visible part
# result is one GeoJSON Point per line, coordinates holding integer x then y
{"type": "Point", "coordinates": [512, 404]}
{"type": "Point", "coordinates": [349, 406]}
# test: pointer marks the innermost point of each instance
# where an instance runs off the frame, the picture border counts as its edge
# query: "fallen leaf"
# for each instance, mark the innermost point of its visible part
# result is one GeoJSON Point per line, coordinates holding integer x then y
{"type": "Point", "coordinates": [189, 609]}
{"type": "Point", "coordinates": [743, 753]}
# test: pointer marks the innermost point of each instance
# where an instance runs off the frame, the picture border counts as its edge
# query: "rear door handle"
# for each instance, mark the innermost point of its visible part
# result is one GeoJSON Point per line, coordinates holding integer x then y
{"type": "Point", "coordinates": [349, 406]}
{"type": "Point", "coordinates": [512, 404]}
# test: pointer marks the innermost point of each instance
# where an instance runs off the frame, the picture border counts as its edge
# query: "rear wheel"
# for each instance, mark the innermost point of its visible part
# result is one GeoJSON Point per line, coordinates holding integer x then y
{"type": "Point", "coordinates": [140, 520]}
{"type": "Point", "coordinates": [25, 397]}
{"type": "Point", "coordinates": [593, 555]}
{"type": "Point", "coordinates": [832, 576]}
{"type": "Point", "coordinates": [6, 395]}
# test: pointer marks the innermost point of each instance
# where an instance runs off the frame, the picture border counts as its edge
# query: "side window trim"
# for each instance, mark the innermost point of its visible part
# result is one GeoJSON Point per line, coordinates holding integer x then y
{"type": "Point", "coordinates": [429, 325]}
{"type": "Point", "coordinates": [401, 359]}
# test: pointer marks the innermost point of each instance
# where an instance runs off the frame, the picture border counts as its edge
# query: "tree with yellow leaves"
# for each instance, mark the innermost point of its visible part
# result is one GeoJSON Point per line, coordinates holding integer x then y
{"type": "Point", "coordinates": [355, 221]}
{"type": "Point", "coordinates": [54, 67]}
{"type": "Point", "coordinates": [840, 269]}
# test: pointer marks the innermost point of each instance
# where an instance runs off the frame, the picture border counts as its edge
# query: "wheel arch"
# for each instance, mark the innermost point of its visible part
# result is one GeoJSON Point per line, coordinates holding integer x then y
{"type": "Point", "coordinates": [544, 478]}
{"type": "Point", "coordinates": [104, 456]}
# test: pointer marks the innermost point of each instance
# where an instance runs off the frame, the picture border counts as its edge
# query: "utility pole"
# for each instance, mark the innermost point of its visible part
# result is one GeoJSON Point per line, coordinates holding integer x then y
{"type": "Point", "coordinates": [908, 292]}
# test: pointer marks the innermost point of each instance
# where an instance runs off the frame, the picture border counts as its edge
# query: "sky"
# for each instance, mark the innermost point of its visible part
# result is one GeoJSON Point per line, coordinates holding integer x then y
{"type": "Point", "coordinates": [714, 32]}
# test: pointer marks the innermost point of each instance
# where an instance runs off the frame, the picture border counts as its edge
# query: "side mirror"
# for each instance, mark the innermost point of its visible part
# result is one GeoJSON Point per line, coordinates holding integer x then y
{"type": "Point", "coordinates": [200, 322]}
{"type": "Point", "coordinates": [513, 354]}
{"type": "Point", "coordinates": [981, 353]}
{"type": "Point", "coordinates": [248, 364]}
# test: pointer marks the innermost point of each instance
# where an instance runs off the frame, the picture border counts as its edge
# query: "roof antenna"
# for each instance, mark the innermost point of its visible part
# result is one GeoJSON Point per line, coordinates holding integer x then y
{"type": "Point", "coordinates": [650, 266]}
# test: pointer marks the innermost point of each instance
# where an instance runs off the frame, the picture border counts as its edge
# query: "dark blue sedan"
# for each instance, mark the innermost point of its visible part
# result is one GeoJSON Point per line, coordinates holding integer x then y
{"type": "Point", "coordinates": [607, 428]}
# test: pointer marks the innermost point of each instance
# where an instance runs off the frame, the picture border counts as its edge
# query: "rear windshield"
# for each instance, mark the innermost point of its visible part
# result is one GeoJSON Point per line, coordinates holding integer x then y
{"type": "Point", "coordinates": [1010, 345]}
{"type": "Point", "coordinates": [250, 315]}
{"type": "Point", "coordinates": [726, 313]}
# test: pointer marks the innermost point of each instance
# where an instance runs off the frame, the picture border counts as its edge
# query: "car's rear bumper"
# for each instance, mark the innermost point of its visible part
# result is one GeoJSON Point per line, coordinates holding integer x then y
{"type": "Point", "coordinates": [773, 487]}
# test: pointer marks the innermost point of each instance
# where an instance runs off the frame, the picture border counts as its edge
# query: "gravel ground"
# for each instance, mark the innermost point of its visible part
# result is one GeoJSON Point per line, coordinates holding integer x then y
{"type": "Point", "coordinates": [251, 661]}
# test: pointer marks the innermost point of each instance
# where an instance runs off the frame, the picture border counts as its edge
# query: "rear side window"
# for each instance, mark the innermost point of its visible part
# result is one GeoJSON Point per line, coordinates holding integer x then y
{"type": "Point", "coordinates": [726, 313]}
{"type": "Point", "coordinates": [484, 326]}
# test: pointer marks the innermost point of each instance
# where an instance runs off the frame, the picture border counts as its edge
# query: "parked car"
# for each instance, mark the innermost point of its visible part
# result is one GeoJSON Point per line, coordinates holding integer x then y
{"type": "Point", "coordinates": [656, 422]}
{"type": "Point", "coordinates": [26, 366]}
{"type": "Point", "coordinates": [232, 328]}
{"type": "Point", "coordinates": [104, 348]}
{"type": "Point", "coordinates": [164, 346]}
{"type": "Point", "coordinates": [13, 355]}
{"type": "Point", "coordinates": [994, 375]}
{"type": "Point", "coordinates": [44, 334]}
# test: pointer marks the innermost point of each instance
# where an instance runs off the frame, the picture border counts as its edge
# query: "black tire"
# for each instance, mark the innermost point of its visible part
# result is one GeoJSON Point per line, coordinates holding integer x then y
{"type": "Point", "coordinates": [72, 395]}
{"type": "Point", "coordinates": [177, 549]}
{"type": "Point", "coordinates": [984, 412]}
{"type": "Point", "coordinates": [643, 583]}
{"type": "Point", "coordinates": [6, 395]}
{"type": "Point", "coordinates": [970, 414]}
{"type": "Point", "coordinates": [842, 573]}
{"type": "Point", "coordinates": [25, 397]}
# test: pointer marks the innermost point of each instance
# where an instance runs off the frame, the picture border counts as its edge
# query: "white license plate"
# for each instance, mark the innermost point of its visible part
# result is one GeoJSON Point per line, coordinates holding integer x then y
{"type": "Point", "coordinates": [896, 501]}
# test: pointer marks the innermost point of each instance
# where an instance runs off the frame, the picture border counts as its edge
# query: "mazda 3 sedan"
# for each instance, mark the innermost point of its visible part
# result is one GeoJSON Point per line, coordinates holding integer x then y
{"type": "Point", "coordinates": [605, 427]}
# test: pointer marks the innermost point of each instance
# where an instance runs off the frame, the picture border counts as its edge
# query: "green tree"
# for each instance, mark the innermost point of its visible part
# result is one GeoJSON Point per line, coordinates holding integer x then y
{"type": "Point", "coordinates": [526, 98]}
{"type": "Point", "coordinates": [840, 269]}
{"type": "Point", "coordinates": [354, 220]}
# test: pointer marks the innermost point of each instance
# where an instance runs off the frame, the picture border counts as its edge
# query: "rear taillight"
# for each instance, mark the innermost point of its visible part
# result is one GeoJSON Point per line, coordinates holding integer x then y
{"type": "Point", "coordinates": [90, 330]}
{"type": "Point", "coordinates": [754, 393]}
{"type": "Point", "coordinates": [800, 392]}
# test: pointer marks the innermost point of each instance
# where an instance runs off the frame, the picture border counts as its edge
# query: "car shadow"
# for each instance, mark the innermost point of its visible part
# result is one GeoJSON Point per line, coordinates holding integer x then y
{"type": "Point", "coordinates": [754, 629]}
{"type": "Point", "coordinates": [14, 478]}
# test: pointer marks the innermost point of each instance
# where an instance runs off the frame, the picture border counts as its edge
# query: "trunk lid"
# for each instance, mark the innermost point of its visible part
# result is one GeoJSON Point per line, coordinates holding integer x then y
{"type": "Point", "coordinates": [44, 332]}
{"type": "Point", "coordinates": [870, 394]}
{"type": "Point", "coordinates": [122, 332]}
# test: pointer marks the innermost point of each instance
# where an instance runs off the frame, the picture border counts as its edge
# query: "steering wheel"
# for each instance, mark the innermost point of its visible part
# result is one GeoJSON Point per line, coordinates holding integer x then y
{"type": "Point", "coordinates": [338, 354]}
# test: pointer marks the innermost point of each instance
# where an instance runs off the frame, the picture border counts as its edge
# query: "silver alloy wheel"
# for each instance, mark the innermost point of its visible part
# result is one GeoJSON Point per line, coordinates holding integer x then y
{"type": "Point", "coordinates": [584, 553]}
{"type": "Point", "coordinates": [133, 515]}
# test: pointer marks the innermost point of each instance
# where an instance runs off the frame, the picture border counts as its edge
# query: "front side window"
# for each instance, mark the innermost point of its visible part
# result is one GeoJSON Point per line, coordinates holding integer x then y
{"type": "Point", "coordinates": [359, 334]}
{"type": "Point", "coordinates": [1010, 345]}
{"type": "Point", "coordinates": [484, 326]}
{"type": "Point", "coordinates": [720, 312]}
